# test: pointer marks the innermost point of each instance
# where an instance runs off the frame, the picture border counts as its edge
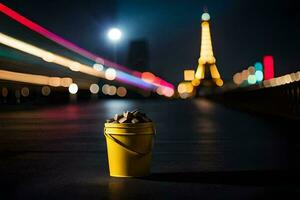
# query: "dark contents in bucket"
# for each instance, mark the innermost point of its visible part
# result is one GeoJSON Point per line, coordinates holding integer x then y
{"type": "Point", "coordinates": [132, 117]}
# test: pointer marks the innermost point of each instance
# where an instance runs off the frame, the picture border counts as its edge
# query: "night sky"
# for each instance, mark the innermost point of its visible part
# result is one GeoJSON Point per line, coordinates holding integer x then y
{"type": "Point", "coordinates": [242, 31]}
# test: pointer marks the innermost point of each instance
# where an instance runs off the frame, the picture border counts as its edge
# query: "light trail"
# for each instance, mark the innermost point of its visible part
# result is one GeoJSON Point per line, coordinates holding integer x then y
{"type": "Point", "coordinates": [35, 79]}
{"type": "Point", "coordinates": [68, 63]}
{"type": "Point", "coordinates": [73, 47]}
{"type": "Point", "coordinates": [55, 38]}
{"type": "Point", "coordinates": [48, 56]}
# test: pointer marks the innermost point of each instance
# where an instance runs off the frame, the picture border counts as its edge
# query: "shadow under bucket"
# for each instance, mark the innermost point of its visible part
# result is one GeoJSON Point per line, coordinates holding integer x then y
{"type": "Point", "coordinates": [129, 148]}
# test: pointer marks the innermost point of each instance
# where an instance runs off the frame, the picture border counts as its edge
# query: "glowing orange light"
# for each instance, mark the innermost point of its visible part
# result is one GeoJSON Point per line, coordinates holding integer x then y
{"type": "Point", "coordinates": [159, 91]}
{"type": "Point", "coordinates": [121, 91]}
{"type": "Point", "coordinates": [168, 92]}
{"type": "Point", "coordinates": [189, 75]}
{"type": "Point", "coordinates": [195, 82]}
{"type": "Point", "coordinates": [237, 78]}
{"type": "Point", "coordinates": [219, 82]}
{"type": "Point", "coordinates": [48, 56]}
{"type": "Point", "coordinates": [245, 74]}
{"type": "Point", "coordinates": [32, 78]}
{"type": "Point", "coordinates": [185, 87]}
{"type": "Point", "coordinates": [4, 92]}
{"type": "Point", "coordinates": [214, 72]}
{"type": "Point", "coordinates": [181, 88]}
{"type": "Point", "coordinates": [66, 82]}
{"type": "Point", "coordinates": [251, 70]}
{"type": "Point", "coordinates": [148, 77]}
{"type": "Point", "coordinates": [54, 81]}
{"type": "Point", "coordinates": [112, 90]}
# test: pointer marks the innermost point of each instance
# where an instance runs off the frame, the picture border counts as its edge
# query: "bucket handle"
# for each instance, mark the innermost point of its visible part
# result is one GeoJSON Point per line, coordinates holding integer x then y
{"type": "Point", "coordinates": [126, 148]}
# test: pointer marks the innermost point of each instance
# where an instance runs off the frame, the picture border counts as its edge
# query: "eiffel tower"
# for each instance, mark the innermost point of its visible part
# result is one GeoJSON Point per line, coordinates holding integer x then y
{"type": "Point", "coordinates": [207, 73]}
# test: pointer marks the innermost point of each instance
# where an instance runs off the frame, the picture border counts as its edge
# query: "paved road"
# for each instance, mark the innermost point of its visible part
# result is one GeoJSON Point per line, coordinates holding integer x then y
{"type": "Point", "coordinates": [202, 150]}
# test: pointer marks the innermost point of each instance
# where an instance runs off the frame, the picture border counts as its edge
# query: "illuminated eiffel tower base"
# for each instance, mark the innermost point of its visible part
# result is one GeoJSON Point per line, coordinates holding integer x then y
{"type": "Point", "coordinates": [207, 73]}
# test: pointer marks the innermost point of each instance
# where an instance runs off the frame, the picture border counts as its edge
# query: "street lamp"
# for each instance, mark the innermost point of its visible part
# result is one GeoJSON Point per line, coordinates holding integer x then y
{"type": "Point", "coordinates": [114, 35]}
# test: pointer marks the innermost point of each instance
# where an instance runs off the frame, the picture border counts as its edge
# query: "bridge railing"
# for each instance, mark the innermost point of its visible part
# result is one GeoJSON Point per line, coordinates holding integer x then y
{"type": "Point", "coordinates": [275, 99]}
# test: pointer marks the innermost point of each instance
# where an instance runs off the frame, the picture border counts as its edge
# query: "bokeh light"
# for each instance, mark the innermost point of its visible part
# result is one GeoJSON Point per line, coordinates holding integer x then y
{"type": "Point", "coordinates": [25, 91]}
{"type": "Point", "coordinates": [168, 92]}
{"type": "Point", "coordinates": [181, 88]}
{"type": "Point", "coordinates": [94, 88]}
{"type": "Point", "coordinates": [251, 70]}
{"type": "Point", "coordinates": [251, 79]}
{"type": "Point", "coordinates": [245, 74]}
{"type": "Point", "coordinates": [258, 66]}
{"type": "Point", "coordinates": [121, 91]}
{"type": "Point", "coordinates": [112, 90]}
{"type": "Point", "coordinates": [237, 78]}
{"type": "Point", "coordinates": [46, 90]}
{"type": "Point", "coordinates": [189, 75]}
{"type": "Point", "coordinates": [259, 76]}
{"type": "Point", "coordinates": [73, 88]}
{"type": "Point", "coordinates": [105, 88]}
{"type": "Point", "coordinates": [98, 67]}
{"type": "Point", "coordinates": [159, 91]}
{"type": "Point", "coordinates": [110, 74]}
{"type": "Point", "coordinates": [268, 67]}
{"type": "Point", "coordinates": [185, 87]}
{"type": "Point", "coordinates": [4, 92]}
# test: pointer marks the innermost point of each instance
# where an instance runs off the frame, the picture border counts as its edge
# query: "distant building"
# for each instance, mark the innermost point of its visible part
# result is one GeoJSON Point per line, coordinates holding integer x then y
{"type": "Point", "coordinates": [138, 56]}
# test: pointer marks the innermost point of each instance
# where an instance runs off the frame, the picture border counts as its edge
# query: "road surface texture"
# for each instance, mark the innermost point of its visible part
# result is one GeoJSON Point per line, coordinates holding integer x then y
{"type": "Point", "coordinates": [202, 151]}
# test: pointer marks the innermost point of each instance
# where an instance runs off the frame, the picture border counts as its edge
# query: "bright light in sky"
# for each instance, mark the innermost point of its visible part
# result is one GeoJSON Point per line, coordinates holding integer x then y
{"type": "Point", "coordinates": [114, 34]}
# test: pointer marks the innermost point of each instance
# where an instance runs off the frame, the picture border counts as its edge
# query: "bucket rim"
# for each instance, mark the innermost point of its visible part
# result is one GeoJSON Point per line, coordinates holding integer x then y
{"type": "Point", "coordinates": [128, 125]}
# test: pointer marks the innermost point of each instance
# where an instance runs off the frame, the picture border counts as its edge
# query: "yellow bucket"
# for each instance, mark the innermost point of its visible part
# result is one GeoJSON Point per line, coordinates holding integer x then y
{"type": "Point", "coordinates": [129, 148]}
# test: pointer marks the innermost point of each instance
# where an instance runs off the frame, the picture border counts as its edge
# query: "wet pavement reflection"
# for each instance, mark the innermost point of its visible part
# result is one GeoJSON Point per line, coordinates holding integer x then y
{"type": "Point", "coordinates": [201, 150]}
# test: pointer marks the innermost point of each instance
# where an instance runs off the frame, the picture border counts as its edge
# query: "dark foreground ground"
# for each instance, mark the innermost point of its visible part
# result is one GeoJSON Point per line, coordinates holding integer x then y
{"type": "Point", "coordinates": [202, 151]}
